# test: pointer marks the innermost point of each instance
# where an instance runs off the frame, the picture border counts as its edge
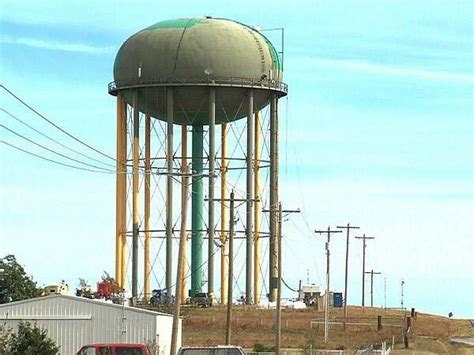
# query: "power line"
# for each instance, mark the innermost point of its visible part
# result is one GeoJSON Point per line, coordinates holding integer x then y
{"type": "Point", "coordinates": [284, 282]}
{"type": "Point", "coordinates": [52, 139]}
{"type": "Point", "coordinates": [54, 161]}
{"type": "Point", "coordinates": [54, 152]}
{"type": "Point", "coordinates": [54, 124]}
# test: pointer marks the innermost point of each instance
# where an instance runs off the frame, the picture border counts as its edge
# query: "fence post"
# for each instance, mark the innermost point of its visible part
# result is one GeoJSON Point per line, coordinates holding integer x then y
{"type": "Point", "coordinates": [379, 322]}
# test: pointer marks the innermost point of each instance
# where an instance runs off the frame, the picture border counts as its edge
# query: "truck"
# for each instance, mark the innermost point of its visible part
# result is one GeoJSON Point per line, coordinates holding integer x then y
{"type": "Point", "coordinates": [160, 297]}
{"type": "Point", "coordinates": [202, 299]}
{"type": "Point", "coordinates": [114, 349]}
{"type": "Point", "coordinates": [212, 350]}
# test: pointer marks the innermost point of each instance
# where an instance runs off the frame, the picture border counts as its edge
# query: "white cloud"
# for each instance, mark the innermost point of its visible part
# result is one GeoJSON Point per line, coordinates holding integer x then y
{"type": "Point", "coordinates": [56, 45]}
{"type": "Point", "coordinates": [375, 68]}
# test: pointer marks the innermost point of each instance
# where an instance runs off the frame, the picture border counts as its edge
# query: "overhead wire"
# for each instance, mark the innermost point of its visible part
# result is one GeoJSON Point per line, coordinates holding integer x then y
{"type": "Point", "coordinates": [54, 161]}
{"type": "Point", "coordinates": [54, 124]}
{"type": "Point", "coordinates": [55, 152]}
{"type": "Point", "coordinates": [16, 118]}
{"type": "Point", "coordinates": [290, 288]}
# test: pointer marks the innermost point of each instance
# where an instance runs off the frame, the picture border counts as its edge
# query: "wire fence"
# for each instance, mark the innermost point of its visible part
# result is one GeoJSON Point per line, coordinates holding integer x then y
{"type": "Point", "coordinates": [368, 351]}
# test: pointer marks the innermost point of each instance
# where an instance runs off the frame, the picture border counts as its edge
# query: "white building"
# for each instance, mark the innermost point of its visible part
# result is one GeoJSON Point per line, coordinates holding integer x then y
{"type": "Point", "coordinates": [309, 291]}
{"type": "Point", "coordinates": [76, 321]}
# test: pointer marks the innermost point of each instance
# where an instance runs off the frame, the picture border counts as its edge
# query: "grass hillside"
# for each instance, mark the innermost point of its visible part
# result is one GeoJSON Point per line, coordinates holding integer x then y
{"type": "Point", "coordinates": [302, 329]}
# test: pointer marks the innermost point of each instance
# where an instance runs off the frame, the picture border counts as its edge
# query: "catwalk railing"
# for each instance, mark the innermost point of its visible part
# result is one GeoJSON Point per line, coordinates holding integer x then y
{"type": "Point", "coordinates": [264, 83]}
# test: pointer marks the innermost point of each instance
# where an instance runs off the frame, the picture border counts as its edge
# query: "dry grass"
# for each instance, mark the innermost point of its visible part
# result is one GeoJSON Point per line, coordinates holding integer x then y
{"type": "Point", "coordinates": [251, 326]}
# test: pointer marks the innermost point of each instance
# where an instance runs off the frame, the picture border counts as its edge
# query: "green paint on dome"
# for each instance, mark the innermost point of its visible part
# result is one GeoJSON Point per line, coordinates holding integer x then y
{"type": "Point", "coordinates": [275, 56]}
{"type": "Point", "coordinates": [179, 23]}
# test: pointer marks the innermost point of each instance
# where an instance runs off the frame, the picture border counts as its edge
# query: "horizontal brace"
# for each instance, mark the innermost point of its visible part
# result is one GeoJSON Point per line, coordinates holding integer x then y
{"type": "Point", "coordinates": [217, 231]}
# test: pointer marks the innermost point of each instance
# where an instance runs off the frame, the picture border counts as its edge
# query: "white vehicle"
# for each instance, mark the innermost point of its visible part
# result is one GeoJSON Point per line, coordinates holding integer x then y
{"type": "Point", "coordinates": [212, 350]}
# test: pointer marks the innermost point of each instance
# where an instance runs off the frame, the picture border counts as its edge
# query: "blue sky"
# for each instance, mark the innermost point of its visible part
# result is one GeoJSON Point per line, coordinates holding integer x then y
{"type": "Point", "coordinates": [377, 130]}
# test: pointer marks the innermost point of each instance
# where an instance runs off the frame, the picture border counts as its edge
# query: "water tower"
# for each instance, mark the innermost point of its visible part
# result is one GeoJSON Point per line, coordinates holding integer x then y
{"type": "Point", "coordinates": [195, 76]}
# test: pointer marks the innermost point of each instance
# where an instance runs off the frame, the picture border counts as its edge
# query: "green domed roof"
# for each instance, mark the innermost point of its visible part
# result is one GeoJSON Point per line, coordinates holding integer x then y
{"type": "Point", "coordinates": [189, 49]}
{"type": "Point", "coordinates": [191, 55]}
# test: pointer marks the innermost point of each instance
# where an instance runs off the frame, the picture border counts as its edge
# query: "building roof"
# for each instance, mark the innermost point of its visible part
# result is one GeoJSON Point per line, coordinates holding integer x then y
{"type": "Point", "coordinates": [84, 300]}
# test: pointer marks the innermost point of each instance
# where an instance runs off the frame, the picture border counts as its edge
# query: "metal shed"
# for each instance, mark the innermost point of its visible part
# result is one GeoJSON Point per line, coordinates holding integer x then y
{"type": "Point", "coordinates": [75, 321]}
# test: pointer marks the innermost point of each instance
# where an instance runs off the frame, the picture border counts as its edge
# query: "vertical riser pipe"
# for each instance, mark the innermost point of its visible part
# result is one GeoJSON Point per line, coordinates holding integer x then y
{"type": "Point", "coordinates": [197, 204]}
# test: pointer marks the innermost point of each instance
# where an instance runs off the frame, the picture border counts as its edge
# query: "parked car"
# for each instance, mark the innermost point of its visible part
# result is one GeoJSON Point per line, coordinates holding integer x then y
{"type": "Point", "coordinates": [202, 299]}
{"type": "Point", "coordinates": [160, 297]}
{"type": "Point", "coordinates": [114, 349]}
{"type": "Point", "coordinates": [212, 350]}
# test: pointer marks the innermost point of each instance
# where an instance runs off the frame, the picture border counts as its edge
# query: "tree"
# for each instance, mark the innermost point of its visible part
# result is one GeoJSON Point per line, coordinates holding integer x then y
{"type": "Point", "coordinates": [15, 284]}
{"type": "Point", "coordinates": [28, 340]}
{"type": "Point", "coordinates": [5, 339]}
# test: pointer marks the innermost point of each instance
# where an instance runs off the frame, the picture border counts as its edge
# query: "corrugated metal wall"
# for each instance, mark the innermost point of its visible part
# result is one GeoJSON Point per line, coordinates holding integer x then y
{"type": "Point", "coordinates": [73, 322]}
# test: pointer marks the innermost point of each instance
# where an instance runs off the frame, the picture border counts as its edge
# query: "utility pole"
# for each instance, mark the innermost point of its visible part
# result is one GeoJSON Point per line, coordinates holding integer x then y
{"type": "Point", "coordinates": [364, 246]}
{"type": "Point", "coordinates": [231, 270]}
{"type": "Point", "coordinates": [348, 228]}
{"type": "Point", "coordinates": [326, 300]}
{"type": "Point", "coordinates": [230, 278]}
{"type": "Point", "coordinates": [278, 298]}
{"type": "Point", "coordinates": [181, 251]}
{"type": "Point", "coordinates": [372, 273]}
